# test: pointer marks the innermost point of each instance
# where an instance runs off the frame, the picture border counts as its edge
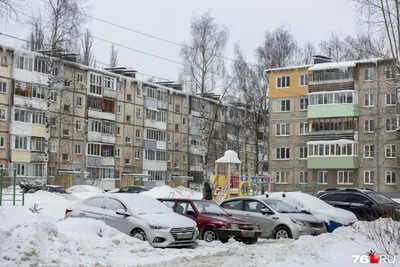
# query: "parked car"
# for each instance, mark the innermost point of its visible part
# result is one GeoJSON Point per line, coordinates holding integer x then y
{"type": "Point", "coordinates": [276, 218]}
{"type": "Point", "coordinates": [139, 216]}
{"type": "Point", "coordinates": [333, 217]}
{"type": "Point", "coordinates": [55, 189]}
{"type": "Point", "coordinates": [132, 189]}
{"type": "Point", "coordinates": [366, 204]}
{"type": "Point", "coordinates": [213, 222]}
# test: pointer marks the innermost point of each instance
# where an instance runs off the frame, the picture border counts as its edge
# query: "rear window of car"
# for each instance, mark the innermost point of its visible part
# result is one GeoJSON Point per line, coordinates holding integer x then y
{"type": "Point", "coordinates": [232, 205]}
{"type": "Point", "coordinates": [95, 202]}
{"type": "Point", "coordinates": [341, 197]}
{"type": "Point", "coordinates": [168, 203]}
{"type": "Point", "coordinates": [327, 197]}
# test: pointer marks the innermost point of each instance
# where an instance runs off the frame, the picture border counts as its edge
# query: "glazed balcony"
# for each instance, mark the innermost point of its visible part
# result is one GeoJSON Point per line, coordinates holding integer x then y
{"type": "Point", "coordinates": [333, 104]}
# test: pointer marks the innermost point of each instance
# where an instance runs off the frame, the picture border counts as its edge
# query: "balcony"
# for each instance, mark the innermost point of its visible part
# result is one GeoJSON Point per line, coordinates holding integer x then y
{"type": "Point", "coordinates": [336, 154]}
{"type": "Point", "coordinates": [333, 104]}
{"type": "Point", "coordinates": [155, 124]}
{"type": "Point", "coordinates": [154, 165]}
{"type": "Point", "coordinates": [162, 105]}
{"type": "Point", "coordinates": [97, 114]}
{"type": "Point", "coordinates": [331, 73]}
{"type": "Point", "coordinates": [37, 156]}
{"type": "Point", "coordinates": [333, 128]}
{"type": "Point", "coordinates": [107, 161]}
{"type": "Point", "coordinates": [196, 167]}
{"type": "Point", "coordinates": [110, 93]}
{"type": "Point", "coordinates": [101, 137]}
{"type": "Point", "coordinates": [93, 161]}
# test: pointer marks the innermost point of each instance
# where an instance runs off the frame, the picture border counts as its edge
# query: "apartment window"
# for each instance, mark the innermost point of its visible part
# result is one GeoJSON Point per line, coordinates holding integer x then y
{"type": "Point", "coordinates": [107, 150]}
{"type": "Point", "coordinates": [185, 102]}
{"type": "Point", "coordinates": [3, 61]}
{"type": "Point", "coordinates": [22, 115]}
{"type": "Point", "coordinates": [369, 126]}
{"type": "Point", "coordinates": [283, 105]}
{"type": "Point", "coordinates": [390, 73]}
{"type": "Point", "coordinates": [95, 84]}
{"type": "Point", "coordinates": [93, 149]}
{"type": "Point", "coordinates": [155, 135]}
{"type": "Point", "coordinates": [3, 114]}
{"type": "Point", "coordinates": [138, 91]}
{"type": "Point", "coordinates": [128, 118]}
{"type": "Point", "coordinates": [127, 161]}
{"type": "Point", "coordinates": [369, 177]}
{"type": "Point", "coordinates": [65, 157]}
{"type": "Point", "coordinates": [40, 65]}
{"type": "Point", "coordinates": [169, 118]}
{"type": "Point", "coordinates": [177, 108]}
{"type": "Point", "coordinates": [184, 140]}
{"type": "Point", "coordinates": [118, 131]}
{"type": "Point", "coordinates": [95, 126]}
{"type": "Point", "coordinates": [127, 140]}
{"type": "Point", "coordinates": [184, 122]}
{"type": "Point", "coordinates": [52, 146]}
{"type": "Point", "coordinates": [79, 77]}
{"type": "Point", "coordinates": [79, 101]}
{"type": "Point", "coordinates": [390, 177]}
{"type": "Point", "coordinates": [53, 96]}
{"type": "Point", "coordinates": [138, 113]}
{"type": "Point", "coordinates": [369, 74]}
{"type": "Point", "coordinates": [24, 63]}
{"type": "Point", "coordinates": [109, 83]}
{"type": "Point", "coordinates": [345, 177]}
{"type": "Point", "coordinates": [3, 87]}
{"type": "Point", "coordinates": [303, 128]}
{"type": "Point", "coordinates": [369, 151]}
{"type": "Point", "coordinates": [37, 170]}
{"type": "Point", "coordinates": [390, 151]}
{"type": "Point", "coordinates": [176, 146]}
{"type": "Point", "coordinates": [304, 103]}
{"type": "Point", "coordinates": [283, 82]}
{"type": "Point", "coordinates": [2, 141]}
{"type": "Point", "coordinates": [129, 97]}
{"type": "Point", "coordinates": [303, 152]}
{"type": "Point", "coordinates": [37, 144]}
{"type": "Point", "coordinates": [303, 80]}
{"type": "Point", "coordinates": [283, 129]}
{"type": "Point", "coordinates": [137, 154]}
{"type": "Point", "coordinates": [282, 153]}
{"type": "Point", "coordinates": [281, 177]}
{"type": "Point", "coordinates": [390, 99]}
{"type": "Point", "coordinates": [38, 92]}
{"type": "Point", "coordinates": [118, 152]}
{"type": "Point", "coordinates": [66, 108]}
{"type": "Point", "coordinates": [391, 124]}
{"type": "Point", "coordinates": [78, 149]}
{"type": "Point", "coordinates": [119, 109]}
{"type": "Point", "coordinates": [369, 100]}
{"type": "Point", "coordinates": [176, 127]}
{"type": "Point", "coordinates": [21, 143]}
{"type": "Point", "coordinates": [22, 169]}
{"type": "Point", "coordinates": [169, 138]}
{"type": "Point", "coordinates": [303, 177]}
{"type": "Point", "coordinates": [137, 133]}
{"type": "Point", "coordinates": [322, 177]}
{"type": "Point", "coordinates": [66, 132]}
{"type": "Point", "coordinates": [184, 158]}
{"type": "Point", "coordinates": [176, 165]}
{"type": "Point", "coordinates": [38, 118]}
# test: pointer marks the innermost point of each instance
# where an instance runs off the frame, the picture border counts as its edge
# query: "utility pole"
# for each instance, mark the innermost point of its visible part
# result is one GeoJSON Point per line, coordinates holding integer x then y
{"type": "Point", "coordinates": [83, 157]}
{"type": "Point", "coordinates": [378, 128]}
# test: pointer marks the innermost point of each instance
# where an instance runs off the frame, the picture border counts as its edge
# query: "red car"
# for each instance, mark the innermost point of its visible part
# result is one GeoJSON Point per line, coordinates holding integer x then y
{"type": "Point", "coordinates": [214, 222]}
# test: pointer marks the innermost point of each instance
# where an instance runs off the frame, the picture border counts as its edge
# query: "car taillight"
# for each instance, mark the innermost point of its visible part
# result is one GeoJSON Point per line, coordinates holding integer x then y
{"type": "Point", "coordinates": [67, 211]}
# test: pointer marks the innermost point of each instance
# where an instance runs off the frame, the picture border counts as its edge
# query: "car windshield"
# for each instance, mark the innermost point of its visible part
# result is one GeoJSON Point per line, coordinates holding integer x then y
{"type": "Point", "coordinates": [380, 199]}
{"type": "Point", "coordinates": [280, 206]}
{"type": "Point", "coordinates": [206, 207]}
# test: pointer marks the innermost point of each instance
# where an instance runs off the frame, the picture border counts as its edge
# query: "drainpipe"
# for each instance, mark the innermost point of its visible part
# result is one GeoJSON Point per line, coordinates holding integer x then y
{"type": "Point", "coordinates": [377, 176]}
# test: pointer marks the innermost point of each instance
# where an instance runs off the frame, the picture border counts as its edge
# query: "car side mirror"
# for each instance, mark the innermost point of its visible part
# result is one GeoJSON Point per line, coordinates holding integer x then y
{"type": "Point", "coordinates": [266, 211]}
{"type": "Point", "coordinates": [191, 213]}
{"type": "Point", "coordinates": [306, 211]}
{"type": "Point", "coordinates": [123, 212]}
{"type": "Point", "coordinates": [369, 203]}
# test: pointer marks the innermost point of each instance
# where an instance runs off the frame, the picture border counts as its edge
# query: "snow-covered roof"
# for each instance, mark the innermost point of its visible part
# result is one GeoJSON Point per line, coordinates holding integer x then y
{"type": "Point", "coordinates": [230, 156]}
{"type": "Point", "coordinates": [289, 68]}
{"type": "Point", "coordinates": [326, 142]}
{"type": "Point", "coordinates": [342, 65]}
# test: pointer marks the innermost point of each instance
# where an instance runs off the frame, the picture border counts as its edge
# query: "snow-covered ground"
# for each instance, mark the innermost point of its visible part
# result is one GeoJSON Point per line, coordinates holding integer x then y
{"type": "Point", "coordinates": [46, 239]}
{"type": "Point", "coordinates": [178, 192]}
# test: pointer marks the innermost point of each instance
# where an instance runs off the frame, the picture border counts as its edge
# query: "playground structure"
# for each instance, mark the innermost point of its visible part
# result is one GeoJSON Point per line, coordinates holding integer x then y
{"type": "Point", "coordinates": [5, 186]}
{"type": "Point", "coordinates": [228, 182]}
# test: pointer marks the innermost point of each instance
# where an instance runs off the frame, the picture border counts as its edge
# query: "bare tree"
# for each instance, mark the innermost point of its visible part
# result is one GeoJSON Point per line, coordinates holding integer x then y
{"type": "Point", "coordinates": [87, 55]}
{"type": "Point", "coordinates": [204, 72]}
{"type": "Point", "coordinates": [306, 54]}
{"type": "Point", "coordinates": [10, 8]}
{"type": "Point", "coordinates": [113, 56]}
{"type": "Point", "coordinates": [36, 36]}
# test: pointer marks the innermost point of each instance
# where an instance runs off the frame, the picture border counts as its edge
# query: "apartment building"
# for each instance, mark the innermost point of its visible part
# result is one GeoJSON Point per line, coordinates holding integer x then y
{"type": "Point", "coordinates": [334, 126]}
{"type": "Point", "coordinates": [105, 120]}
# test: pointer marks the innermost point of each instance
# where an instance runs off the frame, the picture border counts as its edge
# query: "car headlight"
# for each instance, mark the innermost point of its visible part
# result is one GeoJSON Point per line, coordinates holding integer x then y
{"type": "Point", "coordinates": [299, 222]}
{"type": "Point", "coordinates": [157, 227]}
{"type": "Point", "coordinates": [234, 226]}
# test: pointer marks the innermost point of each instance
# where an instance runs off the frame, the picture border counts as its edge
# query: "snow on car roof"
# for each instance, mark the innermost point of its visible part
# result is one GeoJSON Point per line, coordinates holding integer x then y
{"type": "Point", "coordinates": [139, 204]}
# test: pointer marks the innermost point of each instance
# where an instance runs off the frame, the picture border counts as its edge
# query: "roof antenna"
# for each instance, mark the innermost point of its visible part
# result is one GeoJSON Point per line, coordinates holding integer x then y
{"type": "Point", "coordinates": [330, 51]}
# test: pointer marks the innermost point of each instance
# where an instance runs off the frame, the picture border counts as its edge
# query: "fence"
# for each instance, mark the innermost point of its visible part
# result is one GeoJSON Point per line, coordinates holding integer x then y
{"type": "Point", "coordinates": [5, 187]}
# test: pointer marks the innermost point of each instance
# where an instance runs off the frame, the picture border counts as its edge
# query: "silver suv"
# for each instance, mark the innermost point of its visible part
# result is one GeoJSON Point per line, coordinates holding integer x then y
{"type": "Point", "coordinates": [276, 218]}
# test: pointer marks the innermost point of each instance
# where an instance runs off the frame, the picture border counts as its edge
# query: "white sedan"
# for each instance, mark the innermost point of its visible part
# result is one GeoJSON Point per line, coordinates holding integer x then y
{"type": "Point", "coordinates": [140, 216]}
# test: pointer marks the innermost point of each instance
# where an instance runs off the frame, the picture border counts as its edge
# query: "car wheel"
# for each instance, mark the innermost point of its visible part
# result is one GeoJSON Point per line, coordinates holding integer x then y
{"type": "Point", "coordinates": [139, 234]}
{"type": "Point", "coordinates": [209, 235]}
{"type": "Point", "coordinates": [282, 232]}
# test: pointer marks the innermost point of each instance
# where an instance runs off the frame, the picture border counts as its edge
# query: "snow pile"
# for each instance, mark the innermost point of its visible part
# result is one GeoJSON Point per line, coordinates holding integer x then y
{"type": "Point", "coordinates": [84, 191]}
{"type": "Point", "coordinates": [166, 191]}
{"type": "Point", "coordinates": [397, 199]}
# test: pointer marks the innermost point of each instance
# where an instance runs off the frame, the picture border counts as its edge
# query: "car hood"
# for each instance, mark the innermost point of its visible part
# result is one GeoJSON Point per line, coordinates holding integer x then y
{"type": "Point", "coordinates": [172, 220]}
{"type": "Point", "coordinates": [226, 219]}
{"type": "Point", "coordinates": [301, 216]}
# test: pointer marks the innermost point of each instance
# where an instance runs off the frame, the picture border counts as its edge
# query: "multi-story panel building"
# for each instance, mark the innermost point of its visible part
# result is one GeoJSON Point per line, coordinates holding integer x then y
{"type": "Point", "coordinates": [349, 128]}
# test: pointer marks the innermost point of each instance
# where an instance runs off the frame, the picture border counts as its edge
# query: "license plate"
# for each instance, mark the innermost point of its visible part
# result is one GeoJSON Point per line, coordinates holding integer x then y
{"type": "Point", "coordinates": [248, 234]}
{"type": "Point", "coordinates": [184, 235]}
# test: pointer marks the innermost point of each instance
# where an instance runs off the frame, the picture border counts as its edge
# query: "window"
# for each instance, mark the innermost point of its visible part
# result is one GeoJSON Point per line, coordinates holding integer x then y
{"type": "Point", "coordinates": [176, 146]}
{"type": "Point", "coordinates": [177, 108]}
{"type": "Point", "coordinates": [119, 109]}
{"type": "Point", "coordinates": [303, 80]}
{"type": "Point", "coordinates": [95, 126]}
{"type": "Point", "coordinates": [40, 65]}
{"type": "Point", "coordinates": [118, 152]}
{"type": "Point", "coordinates": [176, 127]}
{"type": "Point", "coordinates": [3, 114]}
{"type": "Point", "coordinates": [233, 204]}
{"type": "Point", "coordinates": [95, 84]}
{"type": "Point", "coordinates": [184, 122]}
{"type": "Point", "coordinates": [185, 102]}
{"type": "Point", "coordinates": [156, 135]}
{"type": "Point", "coordinates": [283, 105]}
{"type": "Point", "coordinates": [129, 97]}
{"type": "Point", "coordinates": [303, 128]}
{"type": "Point", "coordinates": [283, 82]}
{"type": "Point", "coordinates": [78, 149]}
{"type": "Point", "coordinates": [66, 132]}
{"type": "Point", "coordinates": [391, 124]}
{"type": "Point", "coordinates": [65, 157]}
{"type": "Point", "coordinates": [137, 133]}
{"type": "Point", "coordinates": [176, 165]}
{"type": "Point", "coordinates": [2, 141]}
{"type": "Point", "coordinates": [369, 151]}
{"type": "Point", "coordinates": [390, 151]}
{"type": "Point", "coordinates": [107, 150]}
{"type": "Point", "coordinates": [169, 138]}
{"type": "Point", "coordinates": [78, 125]}
{"type": "Point", "coordinates": [95, 202]}
{"type": "Point", "coordinates": [37, 170]}
{"type": "Point", "coordinates": [38, 117]}
{"type": "Point", "coordinates": [52, 146]}
{"type": "Point", "coordinates": [303, 177]}
{"type": "Point", "coordinates": [24, 63]}
{"type": "Point", "coordinates": [128, 118]}
{"type": "Point", "coordinates": [38, 92]}
{"type": "Point", "coordinates": [3, 87]}
{"type": "Point", "coordinates": [137, 154]}
{"type": "Point", "coordinates": [304, 103]}
{"type": "Point", "coordinates": [322, 177]}
{"type": "Point", "coordinates": [79, 101]}
{"type": "Point", "coordinates": [3, 61]}
{"type": "Point", "coordinates": [22, 115]}
{"type": "Point", "coordinates": [369, 177]}
{"type": "Point", "coordinates": [169, 118]}
{"type": "Point", "coordinates": [369, 74]}
{"type": "Point", "coordinates": [53, 96]}
{"type": "Point", "coordinates": [66, 108]}
{"type": "Point", "coordinates": [303, 152]}
{"type": "Point", "coordinates": [118, 130]}
{"type": "Point", "coordinates": [109, 83]}
{"type": "Point", "coordinates": [79, 77]}
{"type": "Point", "coordinates": [21, 143]}
{"type": "Point", "coordinates": [37, 144]}
{"type": "Point", "coordinates": [138, 113]}
{"type": "Point", "coordinates": [184, 158]}
{"type": "Point", "coordinates": [281, 177]}
{"type": "Point", "coordinates": [390, 99]}
{"type": "Point", "coordinates": [390, 177]}
{"type": "Point", "coordinates": [139, 91]}
{"type": "Point", "coordinates": [328, 149]}
{"type": "Point", "coordinates": [282, 153]}
{"type": "Point", "coordinates": [113, 204]}
{"type": "Point", "coordinates": [283, 129]}
{"type": "Point", "coordinates": [369, 100]}
{"type": "Point", "coordinates": [335, 97]}
{"type": "Point", "coordinates": [390, 73]}
{"type": "Point", "coordinates": [93, 149]}
{"type": "Point", "coordinates": [345, 177]}
{"type": "Point", "coordinates": [22, 169]}
{"type": "Point", "coordinates": [127, 139]}
{"type": "Point", "coordinates": [369, 126]}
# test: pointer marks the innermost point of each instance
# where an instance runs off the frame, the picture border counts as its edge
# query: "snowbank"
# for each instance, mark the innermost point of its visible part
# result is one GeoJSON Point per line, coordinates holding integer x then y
{"type": "Point", "coordinates": [397, 199]}
{"type": "Point", "coordinates": [84, 191]}
{"type": "Point", "coordinates": [178, 192]}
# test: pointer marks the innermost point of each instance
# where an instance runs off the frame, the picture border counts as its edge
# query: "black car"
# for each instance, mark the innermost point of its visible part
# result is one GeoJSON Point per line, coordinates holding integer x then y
{"type": "Point", "coordinates": [366, 204]}
{"type": "Point", "coordinates": [55, 189]}
{"type": "Point", "coordinates": [132, 189]}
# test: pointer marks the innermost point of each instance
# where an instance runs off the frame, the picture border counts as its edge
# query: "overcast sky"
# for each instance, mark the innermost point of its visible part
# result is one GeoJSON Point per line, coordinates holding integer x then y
{"type": "Point", "coordinates": [309, 20]}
